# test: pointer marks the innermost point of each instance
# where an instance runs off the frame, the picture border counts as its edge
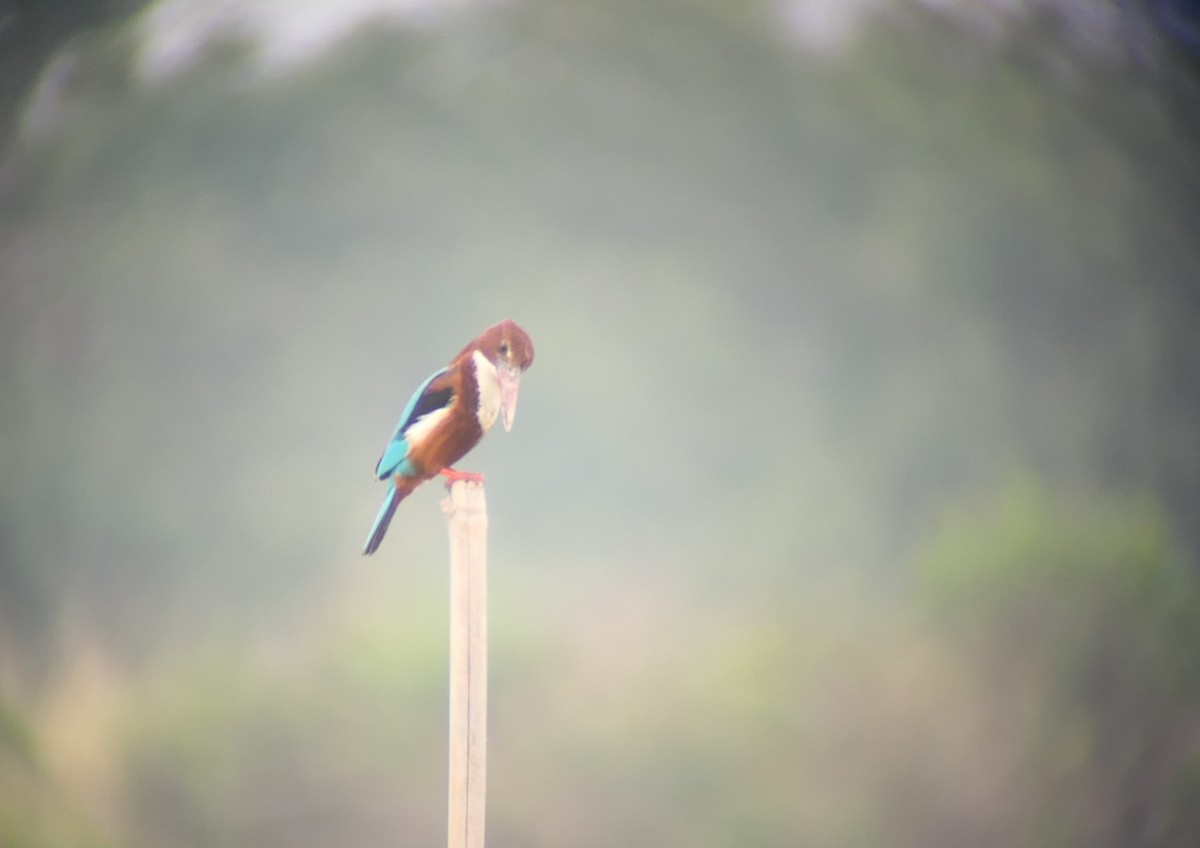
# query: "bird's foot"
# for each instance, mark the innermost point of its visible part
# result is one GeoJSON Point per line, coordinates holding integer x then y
{"type": "Point", "coordinates": [453, 476]}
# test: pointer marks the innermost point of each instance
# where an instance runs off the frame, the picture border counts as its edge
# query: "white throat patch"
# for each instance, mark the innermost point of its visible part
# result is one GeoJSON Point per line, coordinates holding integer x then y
{"type": "Point", "coordinates": [489, 391]}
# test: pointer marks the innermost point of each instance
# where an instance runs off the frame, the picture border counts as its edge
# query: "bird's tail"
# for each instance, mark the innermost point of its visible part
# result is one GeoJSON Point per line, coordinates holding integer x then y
{"type": "Point", "coordinates": [390, 500]}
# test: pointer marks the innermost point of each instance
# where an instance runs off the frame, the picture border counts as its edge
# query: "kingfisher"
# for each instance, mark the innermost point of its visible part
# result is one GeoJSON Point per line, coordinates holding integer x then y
{"type": "Point", "coordinates": [448, 415]}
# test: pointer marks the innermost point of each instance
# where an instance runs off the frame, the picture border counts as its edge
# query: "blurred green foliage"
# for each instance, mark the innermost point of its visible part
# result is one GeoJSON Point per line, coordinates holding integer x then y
{"type": "Point", "coordinates": [789, 305]}
{"type": "Point", "coordinates": [1084, 616]}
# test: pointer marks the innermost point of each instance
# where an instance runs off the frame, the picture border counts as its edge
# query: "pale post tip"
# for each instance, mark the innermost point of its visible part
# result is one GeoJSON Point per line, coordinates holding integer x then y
{"type": "Point", "coordinates": [465, 500]}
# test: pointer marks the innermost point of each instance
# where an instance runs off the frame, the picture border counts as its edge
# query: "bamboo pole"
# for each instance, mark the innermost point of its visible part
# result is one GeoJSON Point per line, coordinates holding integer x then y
{"type": "Point", "coordinates": [466, 517]}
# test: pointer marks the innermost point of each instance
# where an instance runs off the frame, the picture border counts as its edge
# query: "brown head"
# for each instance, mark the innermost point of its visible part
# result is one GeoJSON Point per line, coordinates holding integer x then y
{"type": "Point", "coordinates": [505, 344]}
{"type": "Point", "coordinates": [510, 349]}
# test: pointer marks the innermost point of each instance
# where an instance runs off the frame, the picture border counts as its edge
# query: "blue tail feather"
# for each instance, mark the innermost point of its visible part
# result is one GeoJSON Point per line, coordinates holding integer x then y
{"type": "Point", "coordinates": [390, 500]}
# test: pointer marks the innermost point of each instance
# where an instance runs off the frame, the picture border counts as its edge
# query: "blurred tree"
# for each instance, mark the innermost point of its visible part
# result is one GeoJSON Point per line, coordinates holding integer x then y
{"type": "Point", "coordinates": [1081, 611]}
{"type": "Point", "coordinates": [16, 738]}
{"type": "Point", "coordinates": [31, 31]}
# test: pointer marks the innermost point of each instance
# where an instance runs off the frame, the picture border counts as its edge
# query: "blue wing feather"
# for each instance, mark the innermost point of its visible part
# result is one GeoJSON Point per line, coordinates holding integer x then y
{"type": "Point", "coordinates": [395, 455]}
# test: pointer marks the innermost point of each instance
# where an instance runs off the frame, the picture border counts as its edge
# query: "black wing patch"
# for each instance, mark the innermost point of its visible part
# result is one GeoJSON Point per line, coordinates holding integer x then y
{"type": "Point", "coordinates": [429, 401]}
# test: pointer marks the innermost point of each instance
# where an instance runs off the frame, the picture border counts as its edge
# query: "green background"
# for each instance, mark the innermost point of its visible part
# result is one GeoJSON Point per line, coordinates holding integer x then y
{"type": "Point", "coordinates": [851, 500]}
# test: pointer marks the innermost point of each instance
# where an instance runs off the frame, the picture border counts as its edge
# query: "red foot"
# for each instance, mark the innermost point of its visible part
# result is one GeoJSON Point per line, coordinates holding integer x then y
{"type": "Point", "coordinates": [452, 476]}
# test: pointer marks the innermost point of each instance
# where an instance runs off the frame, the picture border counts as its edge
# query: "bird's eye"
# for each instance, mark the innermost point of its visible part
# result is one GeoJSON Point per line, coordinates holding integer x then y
{"type": "Point", "coordinates": [504, 348]}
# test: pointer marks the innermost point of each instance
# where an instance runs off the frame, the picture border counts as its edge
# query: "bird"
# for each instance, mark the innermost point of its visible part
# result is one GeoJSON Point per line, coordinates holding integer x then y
{"type": "Point", "coordinates": [449, 413]}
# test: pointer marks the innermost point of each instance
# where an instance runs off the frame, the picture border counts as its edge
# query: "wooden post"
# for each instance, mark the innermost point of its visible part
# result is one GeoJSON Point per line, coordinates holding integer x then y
{"type": "Point", "coordinates": [466, 517]}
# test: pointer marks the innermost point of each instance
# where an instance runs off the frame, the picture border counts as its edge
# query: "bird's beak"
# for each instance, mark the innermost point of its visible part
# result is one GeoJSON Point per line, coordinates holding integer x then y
{"type": "Point", "coordinates": [509, 380]}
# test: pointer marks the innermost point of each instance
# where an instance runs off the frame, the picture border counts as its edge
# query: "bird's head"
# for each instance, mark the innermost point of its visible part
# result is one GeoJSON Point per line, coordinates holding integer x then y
{"type": "Point", "coordinates": [510, 349]}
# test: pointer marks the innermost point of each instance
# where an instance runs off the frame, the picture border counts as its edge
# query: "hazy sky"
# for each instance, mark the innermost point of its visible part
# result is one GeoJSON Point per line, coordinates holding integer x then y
{"type": "Point", "coordinates": [286, 30]}
{"type": "Point", "coordinates": [289, 31]}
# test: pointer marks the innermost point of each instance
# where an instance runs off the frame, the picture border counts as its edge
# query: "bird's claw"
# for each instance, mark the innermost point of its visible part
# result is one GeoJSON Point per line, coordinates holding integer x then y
{"type": "Point", "coordinates": [453, 476]}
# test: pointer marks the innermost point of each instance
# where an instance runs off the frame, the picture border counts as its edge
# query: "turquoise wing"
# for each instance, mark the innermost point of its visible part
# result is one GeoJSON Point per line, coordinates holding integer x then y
{"type": "Point", "coordinates": [425, 399]}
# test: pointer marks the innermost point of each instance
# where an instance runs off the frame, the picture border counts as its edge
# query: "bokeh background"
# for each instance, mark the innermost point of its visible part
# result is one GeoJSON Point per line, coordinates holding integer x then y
{"type": "Point", "coordinates": [852, 499]}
